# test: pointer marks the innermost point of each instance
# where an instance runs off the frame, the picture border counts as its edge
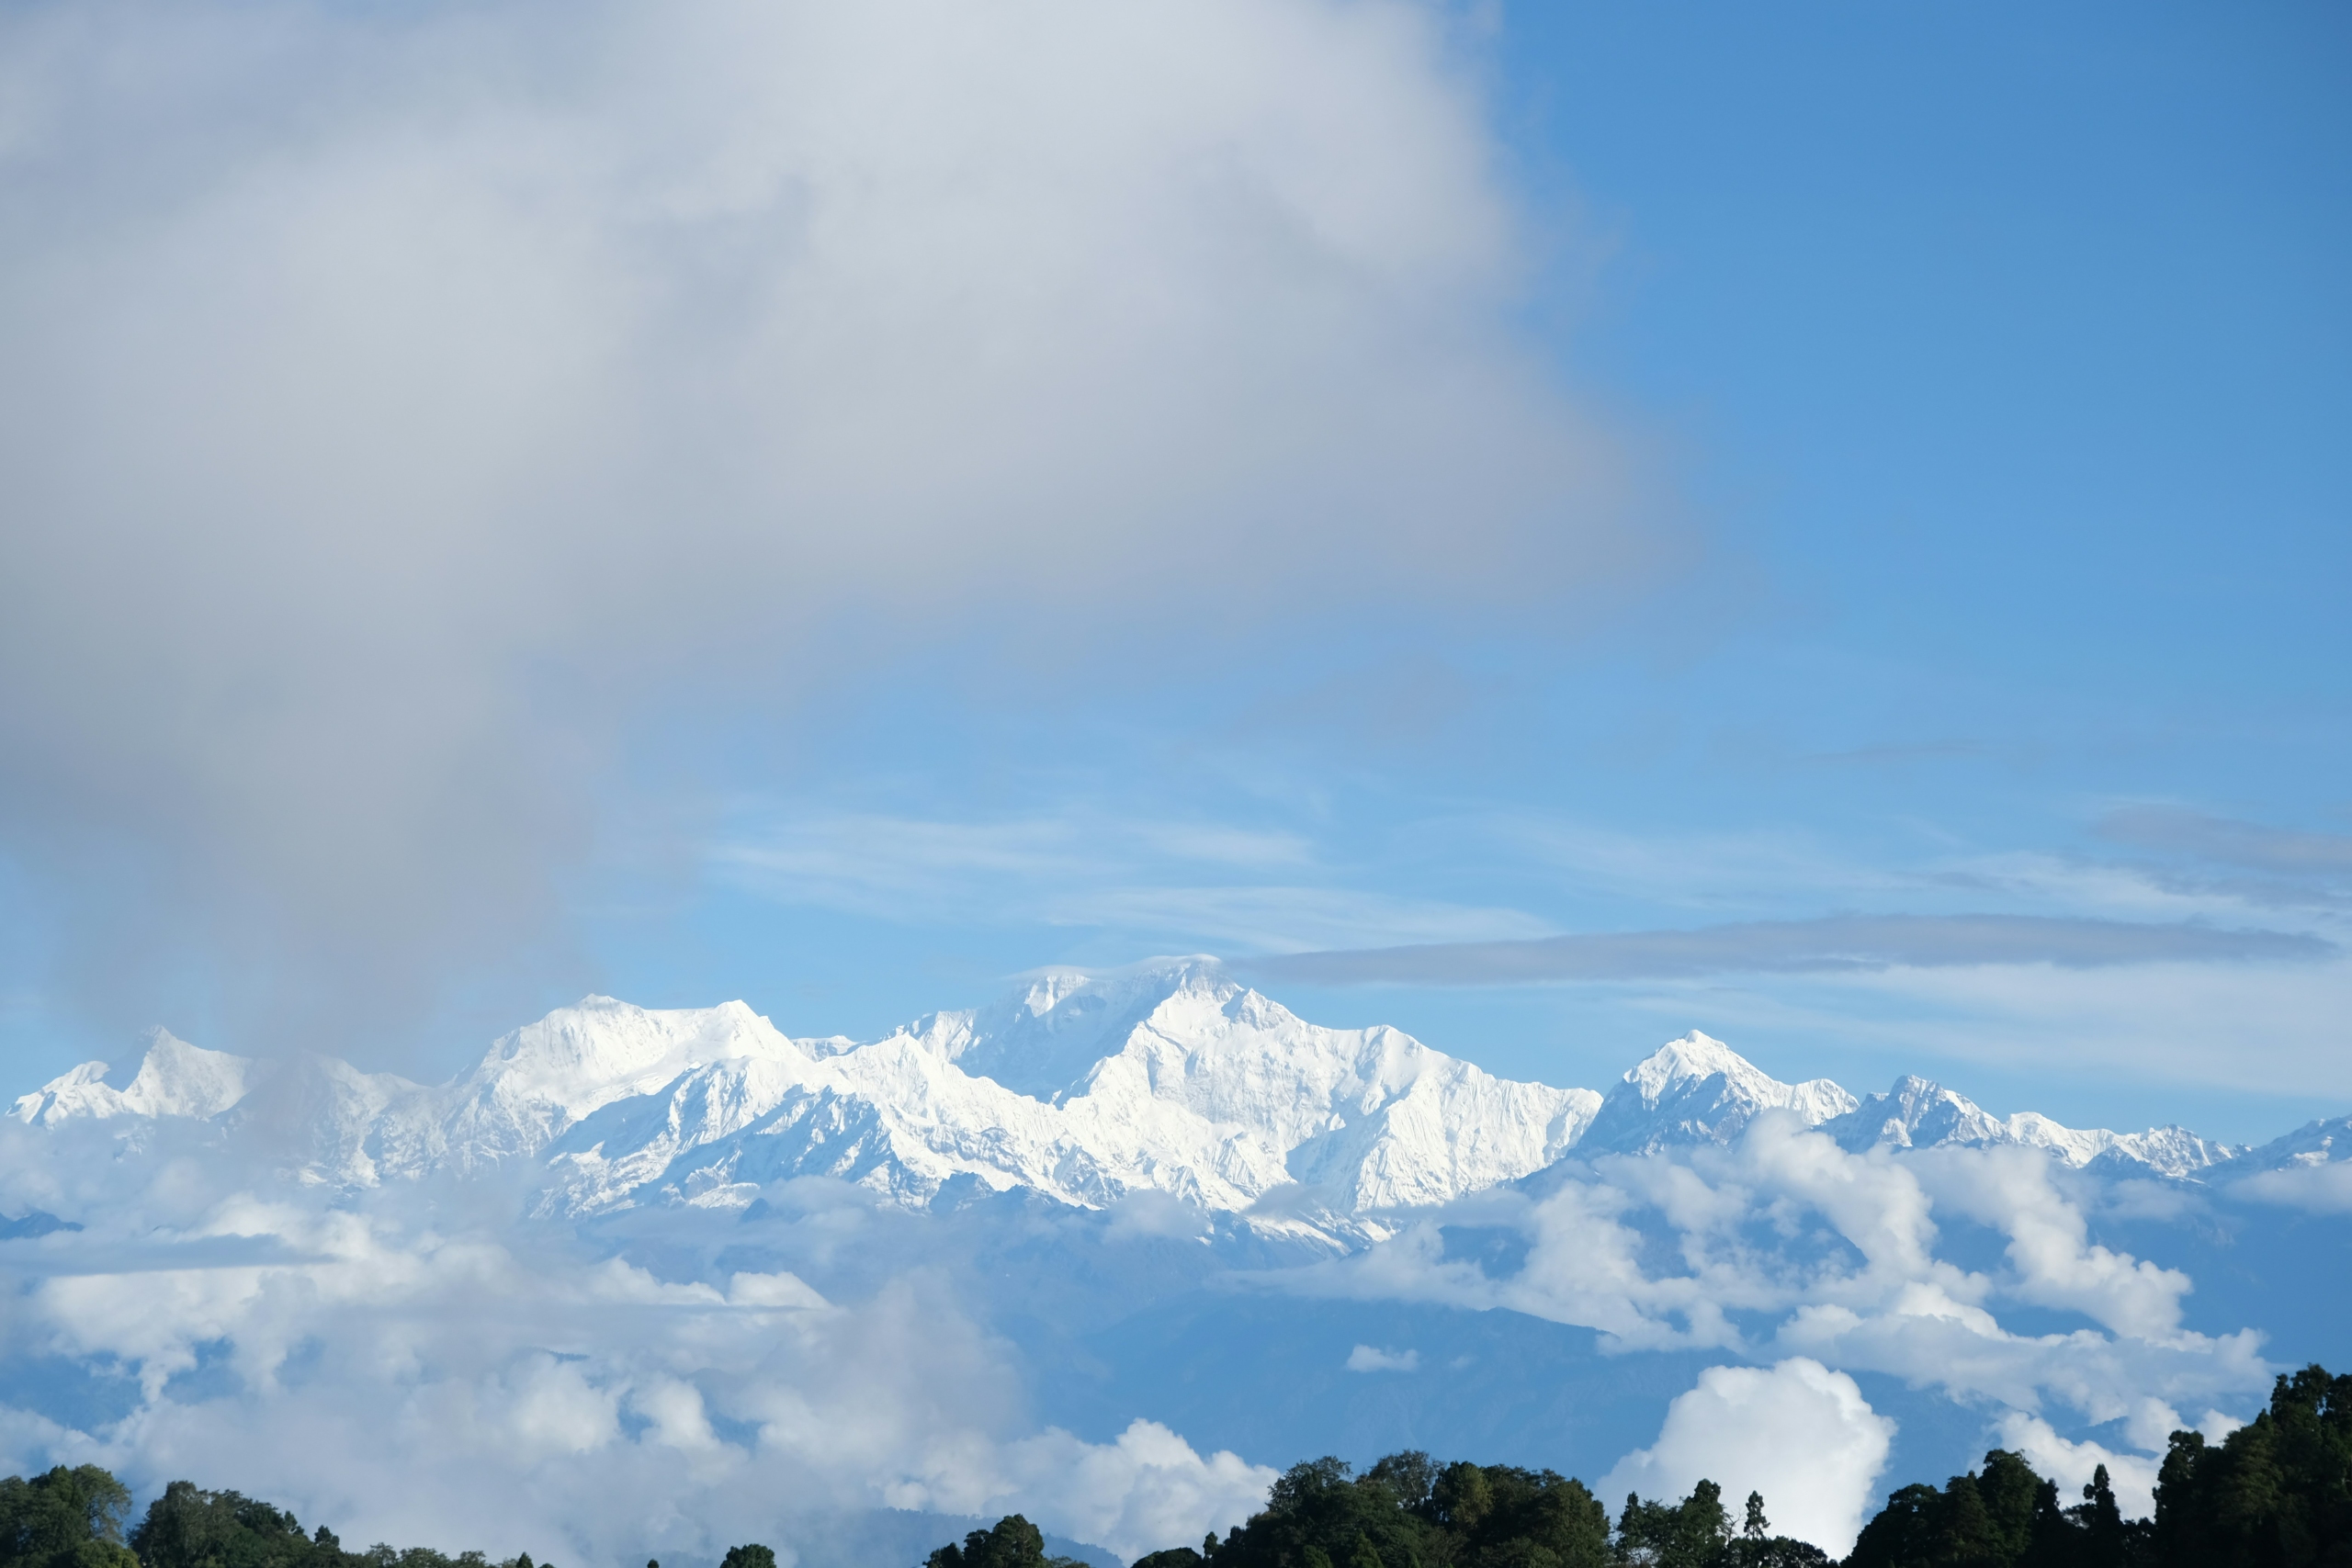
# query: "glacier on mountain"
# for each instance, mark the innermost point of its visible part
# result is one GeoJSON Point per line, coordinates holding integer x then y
{"type": "Point", "coordinates": [1171, 1078]}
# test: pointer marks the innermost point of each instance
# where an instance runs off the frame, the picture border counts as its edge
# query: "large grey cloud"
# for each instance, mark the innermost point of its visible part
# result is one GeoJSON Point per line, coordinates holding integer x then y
{"type": "Point", "coordinates": [1827, 945]}
{"type": "Point", "coordinates": [396, 406]}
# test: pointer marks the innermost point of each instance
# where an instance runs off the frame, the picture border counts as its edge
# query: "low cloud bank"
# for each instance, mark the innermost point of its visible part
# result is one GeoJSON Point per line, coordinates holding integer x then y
{"type": "Point", "coordinates": [1788, 1250]}
{"type": "Point", "coordinates": [2316, 1189]}
{"type": "Point", "coordinates": [415, 1364]}
{"type": "Point", "coordinates": [404, 1372]}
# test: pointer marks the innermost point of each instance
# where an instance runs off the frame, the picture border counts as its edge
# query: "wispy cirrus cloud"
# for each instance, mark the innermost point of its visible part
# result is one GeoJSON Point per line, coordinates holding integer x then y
{"type": "Point", "coordinates": [2201, 856]}
{"type": "Point", "coordinates": [1250, 889]}
{"type": "Point", "coordinates": [2230, 841]}
{"type": "Point", "coordinates": [1830, 944]}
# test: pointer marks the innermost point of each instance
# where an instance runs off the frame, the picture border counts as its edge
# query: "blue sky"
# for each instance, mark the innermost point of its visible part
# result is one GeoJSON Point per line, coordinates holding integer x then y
{"type": "Point", "coordinates": [1978, 376]}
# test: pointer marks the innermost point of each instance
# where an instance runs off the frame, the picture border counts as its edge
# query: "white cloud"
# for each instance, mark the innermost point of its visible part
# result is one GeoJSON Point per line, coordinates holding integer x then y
{"type": "Point", "coordinates": [403, 405]}
{"type": "Point", "coordinates": [2055, 1262]}
{"type": "Point", "coordinates": [2282, 1023]}
{"type": "Point", "coordinates": [1248, 889]}
{"type": "Point", "coordinates": [1373, 1358]}
{"type": "Point", "coordinates": [1146, 1489]}
{"type": "Point", "coordinates": [2321, 1188]}
{"type": "Point", "coordinates": [1786, 1245]}
{"type": "Point", "coordinates": [1797, 1432]}
{"type": "Point", "coordinates": [400, 1374]}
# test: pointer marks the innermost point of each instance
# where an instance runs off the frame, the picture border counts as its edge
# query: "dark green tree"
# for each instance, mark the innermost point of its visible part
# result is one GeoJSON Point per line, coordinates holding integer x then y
{"type": "Point", "coordinates": [1321, 1507]}
{"type": "Point", "coordinates": [1965, 1533]}
{"type": "Point", "coordinates": [1408, 1511]}
{"type": "Point", "coordinates": [65, 1519]}
{"type": "Point", "coordinates": [2274, 1493]}
{"type": "Point", "coordinates": [1690, 1534]}
{"type": "Point", "coordinates": [2105, 1541]}
{"type": "Point", "coordinates": [1462, 1498]}
{"type": "Point", "coordinates": [1011, 1542]}
{"type": "Point", "coordinates": [1170, 1557]}
{"type": "Point", "coordinates": [1904, 1532]}
{"type": "Point", "coordinates": [381, 1555]}
{"type": "Point", "coordinates": [2022, 1521]}
{"type": "Point", "coordinates": [1540, 1517]}
{"type": "Point", "coordinates": [190, 1527]}
{"type": "Point", "coordinates": [2003, 1516]}
{"type": "Point", "coordinates": [1411, 1476]}
{"type": "Point", "coordinates": [752, 1556]}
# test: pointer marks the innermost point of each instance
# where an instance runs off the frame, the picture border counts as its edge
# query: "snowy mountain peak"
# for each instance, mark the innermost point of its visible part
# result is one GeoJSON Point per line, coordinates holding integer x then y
{"type": "Point", "coordinates": [544, 1078]}
{"type": "Point", "coordinates": [598, 1049]}
{"type": "Point", "coordinates": [1698, 1089]}
{"type": "Point", "coordinates": [1916, 1113]}
{"type": "Point", "coordinates": [1692, 1059]}
{"type": "Point", "coordinates": [2312, 1146]}
{"type": "Point", "coordinates": [173, 1078]}
{"type": "Point", "coordinates": [1043, 1041]}
{"type": "Point", "coordinates": [1168, 1077]}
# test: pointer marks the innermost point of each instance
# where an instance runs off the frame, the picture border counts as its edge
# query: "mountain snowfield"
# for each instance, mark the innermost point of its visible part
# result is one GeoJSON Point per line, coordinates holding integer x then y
{"type": "Point", "coordinates": [1169, 1078]}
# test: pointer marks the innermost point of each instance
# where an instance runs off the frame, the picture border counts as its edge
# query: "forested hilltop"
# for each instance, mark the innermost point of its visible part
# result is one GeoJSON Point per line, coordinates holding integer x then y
{"type": "Point", "coordinates": [2277, 1493]}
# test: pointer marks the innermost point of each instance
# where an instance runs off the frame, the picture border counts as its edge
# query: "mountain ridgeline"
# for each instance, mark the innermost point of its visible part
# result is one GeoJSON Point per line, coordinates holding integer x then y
{"type": "Point", "coordinates": [2275, 1494]}
{"type": "Point", "coordinates": [1168, 1079]}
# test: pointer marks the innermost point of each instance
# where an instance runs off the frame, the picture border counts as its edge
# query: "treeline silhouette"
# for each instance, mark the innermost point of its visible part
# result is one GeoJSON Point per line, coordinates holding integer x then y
{"type": "Point", "coordinates": [2275, 1494]}
{"type": "Point", "coordinates": [74, 1518]}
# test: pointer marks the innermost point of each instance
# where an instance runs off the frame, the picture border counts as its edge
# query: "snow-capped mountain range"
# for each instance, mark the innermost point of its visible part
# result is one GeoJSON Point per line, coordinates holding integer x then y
{"type": "Point", "coordinates": [1171, 1078]}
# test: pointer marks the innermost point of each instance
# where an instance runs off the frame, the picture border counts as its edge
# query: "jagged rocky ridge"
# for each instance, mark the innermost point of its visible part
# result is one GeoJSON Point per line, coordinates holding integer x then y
{"type": "Point", "coordinates": [1168, 1079]}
